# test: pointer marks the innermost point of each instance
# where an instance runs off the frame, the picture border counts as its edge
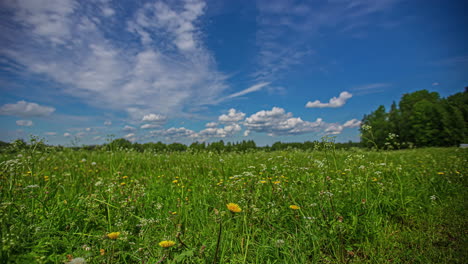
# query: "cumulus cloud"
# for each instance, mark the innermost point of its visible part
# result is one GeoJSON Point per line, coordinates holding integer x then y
{"type": "Point", "coordinates": [26, 109]}
{"type": "Point", "coordinates": [276, 122]}
{"type": "Point", "coordinates": [232, 117]}
{"type": "Point", "coordinates": [213, 132]}
{"type": "Point", "coordinates": [352, 123]}
{"type": "Point", "coordinates": [333, 129]}
{"type": "Point", "coordinates": [66, 134]}
{"type": "Point", "coordinates": [128, 128]}
{"type": "Point", "coordinates": [50, 133]}
{"type": "Point", "coordinates": [131, 137]}
{"type": "Point", "coordinates": [24, 122]}
{"type": "Point", "coordinates": [211, 124]}
{"type": "Point", "coordinates": [174, 133]}
{"type": "Point", "coordinates": [154, 118]}
{"type": "Point", "coordinates": [334, 102]}
{"type": "Point", "coordinates": [107, 123]}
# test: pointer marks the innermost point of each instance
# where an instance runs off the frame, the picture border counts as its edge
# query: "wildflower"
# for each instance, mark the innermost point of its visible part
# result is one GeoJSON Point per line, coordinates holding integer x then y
{"type": "Point", "coordinates": [276, 182]}
{"type": "Point", "coordinates": [113, 235]}
{"type": "Point", "coordinates": [102, 252]}
{"type": "Point", "coordinates": [93, 163]}
{"type": "Point", "coordinates": [46, 178]}
{"type": "Point", "coordinates": [294, 207]}
{"type": "Point", "coordinates": [122, 183]}
{"type": "Point", "coordinates": [175, 181]}
{"type": "Point", "coordinates": [374, 179]}
{"type": "Point", "coordinates": [83, 160]}
{"type": "Point", "coordinates": [440, 173]}
{"type": "Point", "coordinates": [166, 243]}
{"type": "Point", "coordinates": [235, 208]}
{"type": "Point", "coordinates": [124, 177]}
{"type": "Point", "coordinates": [279, 243]}
{"type": "Point", "coordinates": [263, 181]}
{"type": "Point", "coordinates": [433, 197]}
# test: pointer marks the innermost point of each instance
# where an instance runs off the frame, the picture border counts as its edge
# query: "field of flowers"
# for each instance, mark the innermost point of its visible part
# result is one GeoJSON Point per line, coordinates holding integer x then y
{"type": "Point", "coordinates": [322, 206]}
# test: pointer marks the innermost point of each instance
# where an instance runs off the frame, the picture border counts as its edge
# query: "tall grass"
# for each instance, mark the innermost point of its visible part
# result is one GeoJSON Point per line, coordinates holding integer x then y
{"type": "Point", "coordinates": [353, 206]}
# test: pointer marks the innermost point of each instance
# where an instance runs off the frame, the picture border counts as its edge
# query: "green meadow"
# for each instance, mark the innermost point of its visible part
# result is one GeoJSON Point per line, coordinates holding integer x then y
{"type": "Point", "coordinates": [320, 206]}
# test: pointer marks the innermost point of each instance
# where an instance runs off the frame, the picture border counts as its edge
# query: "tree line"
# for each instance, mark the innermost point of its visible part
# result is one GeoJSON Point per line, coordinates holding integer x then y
{"type": "Point", "coordinates": [420, 119]}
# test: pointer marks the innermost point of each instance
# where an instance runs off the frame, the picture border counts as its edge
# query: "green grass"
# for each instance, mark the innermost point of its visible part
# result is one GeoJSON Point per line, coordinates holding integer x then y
{"type": "Point", "coordinates": [356, 206]}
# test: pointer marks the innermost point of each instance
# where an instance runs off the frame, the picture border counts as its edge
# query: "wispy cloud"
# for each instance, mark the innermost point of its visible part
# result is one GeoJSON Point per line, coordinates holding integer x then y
{"type": "Point", "coordinates": [251, 89]}
{"type": "Point", "coordinates": [167, 69]}
{"type": "Point", "coordinates": [370, 88]}
{"type": "Point", "coordinates": [26, 123]}
{"type": "Point", "coordinates": [288, 30]}
{"type": "Point", "coordinates": [26, 109]}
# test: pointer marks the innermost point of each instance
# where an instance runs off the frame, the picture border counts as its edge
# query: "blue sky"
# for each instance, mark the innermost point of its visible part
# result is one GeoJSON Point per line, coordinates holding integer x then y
{"type": "Point", "coordinates": [194, 70]}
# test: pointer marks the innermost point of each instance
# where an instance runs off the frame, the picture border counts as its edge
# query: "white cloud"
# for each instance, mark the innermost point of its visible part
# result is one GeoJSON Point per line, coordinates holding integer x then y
{"type": "Point", "coordinates": [169, 70]}
{"type": "Point", "coordinates": [174, 133]}
{"type": "Point", "coordinates": [352, 123]}
{"type": "Point", "coordinates": [334, 129]}
{"type": "Point", "coordinates": [50, 133]}
{"type": "Point", "coordinates": [107, 123]}
{"type": "Point", "coordinates": [131, 137]}
{"type": "Point", "coordinates": [211, 124]}
{"type": "Point", "coordinates": [128, 128]}
{"type": "Point", "coordinates": [435, 84]}
{"type": "Point", "coordinates": [24, 122]}
{"type": "Point", "coordinates": [97, 137]}
{"type": "Point", "coordinates": [66, 134]}
{"type": "Point", "coordinates": [212, 132]}
{"type": "Point", "coordinates": [107, 11]}
{"type": "Point", "coordinates": [26, 109]}
{"type": "Point", "coordinates": [146, 126]}
{"type": "Point", "coordinates": [231, 117]}
{"type": "Point", "coordinates": [154, 118]}
{"type": "Point", "coordinates": [246, 133]}
{"type": "Point", "coordinates": [249, 90]}
{"type": "Point", "coordinates": [88, 129]}
{"type": "Point", "coordinates": [276, 122]}
{"type": "Point", "coordinates": [80, 134]}
{"type": "Point", "coordinates": [334, 102]}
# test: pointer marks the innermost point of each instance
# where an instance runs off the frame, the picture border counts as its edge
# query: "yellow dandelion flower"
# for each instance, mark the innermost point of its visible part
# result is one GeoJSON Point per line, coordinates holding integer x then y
{"type": "Point", "coordinates": [122, 183]}
{"type": "Point", "coordinates": [166, 243]}
{"type": "Point", "coordinates": [440, 173]}
{"type": "Point", "coordinates": [263, 181]}
{"type": "Point", "coordinates": [124, 177]}
{"type": "Point", "coordinates": [46, 178]}
{"type": "Point", "coordinates": [276, 182]}
{"type": "Point", "coordinates": [294, 207]}
{"type": "Point", "coordinates": [113, 235]}
{"type": "Point", "coordinates": [235, 208]}
{"type": "Point", "coordinates": [374, 179]}
{"type": "Point", "coordinates": [175, 181]}
{"type": "Point", "coordinates": [102, 251]}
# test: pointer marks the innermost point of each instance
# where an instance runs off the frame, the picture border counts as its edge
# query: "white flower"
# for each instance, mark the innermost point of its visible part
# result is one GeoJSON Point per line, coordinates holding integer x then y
{"type": "Point", "coordinates": [433, 197]}
{"type": "Point", "coordinates": [93, 163]}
